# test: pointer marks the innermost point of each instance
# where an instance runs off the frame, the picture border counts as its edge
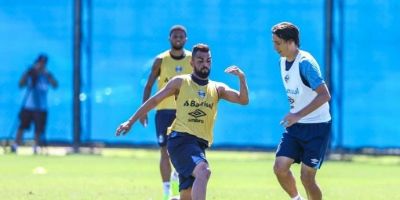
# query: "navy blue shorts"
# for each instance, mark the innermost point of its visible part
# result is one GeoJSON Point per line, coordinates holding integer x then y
{"type": "Point", "coordinates": [164, 119]}
{"type": "Point", "coordinates": [185, 152]}
{"type": "Point", "coordinates": [306, 143]}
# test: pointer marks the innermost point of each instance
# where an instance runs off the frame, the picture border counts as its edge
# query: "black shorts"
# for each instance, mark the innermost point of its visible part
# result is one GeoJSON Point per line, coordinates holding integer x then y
{"type": "Point", "coordinates": [39, 118]}
{"type": "Point", "coordinates": [164, 119]}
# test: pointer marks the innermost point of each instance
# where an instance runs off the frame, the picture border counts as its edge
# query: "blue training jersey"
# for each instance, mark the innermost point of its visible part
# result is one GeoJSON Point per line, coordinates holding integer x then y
{"type": "Point", "coordinates": [37, 94]}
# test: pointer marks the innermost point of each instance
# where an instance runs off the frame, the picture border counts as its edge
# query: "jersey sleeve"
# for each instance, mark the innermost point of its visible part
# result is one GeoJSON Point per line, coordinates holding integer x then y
{"type": "Point", "coordinates": [311, 72]}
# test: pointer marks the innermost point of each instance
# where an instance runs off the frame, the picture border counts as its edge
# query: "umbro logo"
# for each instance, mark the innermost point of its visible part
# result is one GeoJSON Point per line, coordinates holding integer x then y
{"type": "Point", "coordinates": [314, 161]}
{"type": "Point", "coordinates": [291, 100]}
{"type": "Point", "coordinates": [197, 113]}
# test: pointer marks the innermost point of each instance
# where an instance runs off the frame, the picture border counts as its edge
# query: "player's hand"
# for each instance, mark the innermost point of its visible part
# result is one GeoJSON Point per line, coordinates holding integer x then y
{"type": "Point", "coordinates": [235, 70]}
{"type": "Point", "coordinates": [290, 119]}
{"type": "Point", "coordinates": [123, 128]}
{"type": "Point", "coordinates": [144, 120]}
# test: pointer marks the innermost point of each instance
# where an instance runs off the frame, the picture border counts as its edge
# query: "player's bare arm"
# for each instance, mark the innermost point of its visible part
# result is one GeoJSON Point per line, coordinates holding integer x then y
{"type": "Point", "coordinates": [51, 79]}
{"type": "Point", "coordinates": [23, 80]}
{"type": "Point", "coordinates": [232, 95]}
{"type": "Point", "coordinates": [170, 89]}
{"type": "Point", "coordinates": [155, 72]}
{"type": "Point", "coordinates": [322, 97]}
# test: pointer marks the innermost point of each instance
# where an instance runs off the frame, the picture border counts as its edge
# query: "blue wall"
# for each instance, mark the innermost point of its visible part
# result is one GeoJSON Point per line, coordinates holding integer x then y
{"type": "Point", "coordinates": [28, 28]}
{"type": "Point", "coordinates": [128, 34]}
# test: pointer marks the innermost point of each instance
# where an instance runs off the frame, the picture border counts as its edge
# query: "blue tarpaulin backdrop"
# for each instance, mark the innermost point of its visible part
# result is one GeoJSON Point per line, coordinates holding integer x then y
{"type": "Point", "coordinates": [126, 36]}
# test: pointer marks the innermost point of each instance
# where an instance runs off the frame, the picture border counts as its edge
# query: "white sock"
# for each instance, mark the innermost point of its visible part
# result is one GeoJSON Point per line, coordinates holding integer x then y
{"type": "Point", "coordinates": [35, 148]}
{"type": "Point", "coordinates": [297, 197]}
{"type": "Point", "coordinates": [166, 187]}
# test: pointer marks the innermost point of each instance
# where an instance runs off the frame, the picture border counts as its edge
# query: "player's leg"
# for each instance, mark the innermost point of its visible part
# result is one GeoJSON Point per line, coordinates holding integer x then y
{"type": "Point", "coordinates": [18, 140]}
{"type": "Point", "coordinates": [314, 152]}
{"type": "Point", "coordinates": [202, 174]}
{"type": "Point", "coordinates": [309, 182]}
{"type": "Point", "coordinates": [165, 165]}
{"type": "Point", "coordinates": [186, 194]}
{"type": "Point", "coordinates": [40, 119]}
{"type": "Point", "coordinates": [165, 171]}
{"type": "Point", "coordinates": [25, 118]}
{"type": "Point", "coordinates": [163, 120]}
{"type": "Point", "coordinates": [288, 152]}
{"type": "Point", "coordinates": [285, 176]}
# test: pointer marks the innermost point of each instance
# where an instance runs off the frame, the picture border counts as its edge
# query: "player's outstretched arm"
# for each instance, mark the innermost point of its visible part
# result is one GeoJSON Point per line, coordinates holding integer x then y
{"type": "Point", "coordinates": [155, 72]}
{"type": "Point", "coordinates": [170, 89]}
{"type": "Point", "coordinates": [232, 95]}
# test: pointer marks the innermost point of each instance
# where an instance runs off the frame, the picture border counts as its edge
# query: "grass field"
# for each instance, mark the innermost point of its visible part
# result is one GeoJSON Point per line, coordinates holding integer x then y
{"type": "Point", "coordinates": [133, 174]}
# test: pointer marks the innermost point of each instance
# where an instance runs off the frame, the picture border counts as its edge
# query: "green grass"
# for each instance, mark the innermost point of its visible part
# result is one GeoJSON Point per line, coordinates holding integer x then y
{"type": "Point", "coordinates": [133, 174]}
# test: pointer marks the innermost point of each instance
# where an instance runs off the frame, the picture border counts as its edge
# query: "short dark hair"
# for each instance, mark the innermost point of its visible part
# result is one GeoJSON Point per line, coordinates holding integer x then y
{"type": "Point", "coordinates": [177, 27]}
{"type": "Point", "coordinates": [41, 57]}
{"type": "Point", "coordinates": [287, 31]}
{"type": "Point", "coordinates": [200, 47]}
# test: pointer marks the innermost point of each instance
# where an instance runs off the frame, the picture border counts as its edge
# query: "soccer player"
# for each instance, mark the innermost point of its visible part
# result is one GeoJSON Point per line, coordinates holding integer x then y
{"type": "Point", "coordinates": [172, 62]}
{"type": "Point", "coordinates": [192, 130]}
{"type": "Point", "coordinates": [308, 123]}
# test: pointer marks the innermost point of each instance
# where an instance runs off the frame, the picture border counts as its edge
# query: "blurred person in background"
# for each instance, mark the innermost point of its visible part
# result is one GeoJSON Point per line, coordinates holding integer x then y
{"type": "Point", "coordinates": [192, 131]}
{"type": "Point", "coordinates": [308, 123]}
{"type": "Point", "coordinates": [168, 64]}
{"type": "Point", "coordinates": [37, 79]}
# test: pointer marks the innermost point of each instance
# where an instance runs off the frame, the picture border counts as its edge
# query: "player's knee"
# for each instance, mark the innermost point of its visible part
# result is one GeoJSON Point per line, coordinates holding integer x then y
{"type": "Point", "coordinates": [307, 179]}
{"type": "Point", "coordinates": [280, 170]}
{"type": "Point", "coordinates": [202, 171]}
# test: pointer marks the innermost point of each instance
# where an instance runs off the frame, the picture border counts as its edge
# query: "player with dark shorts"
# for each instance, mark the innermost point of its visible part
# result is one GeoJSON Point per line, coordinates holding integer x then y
{"type": "Point", "coordinates": [305, 143]}
{"type": "Point", "coordinates": [163, 119]}
{"type": "Point", "coordinates": [308, 122]}
{"type": "Point", "coordinates": [192, 130]}
{"type": "Point", "coordinates": [168, 64]}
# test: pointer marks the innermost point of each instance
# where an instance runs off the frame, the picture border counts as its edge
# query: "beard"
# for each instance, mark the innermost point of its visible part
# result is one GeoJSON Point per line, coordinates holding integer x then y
{"type": "Point", "coordinates": [177, 47]}
{"type": "Point", "coordinates": [202, 74]}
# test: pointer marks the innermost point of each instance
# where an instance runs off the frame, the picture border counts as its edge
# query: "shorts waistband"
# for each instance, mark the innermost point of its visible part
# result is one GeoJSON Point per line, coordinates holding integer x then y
{"type": "Point", "coordinates": [174, 134]}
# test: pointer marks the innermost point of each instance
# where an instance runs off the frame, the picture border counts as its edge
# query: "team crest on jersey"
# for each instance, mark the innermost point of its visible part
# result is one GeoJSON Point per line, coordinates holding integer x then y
{"type": "Point", "coordinates": [201, 94]}
{"type": "Point", "coordinates": [287, 78]}
{"type": "Point", "coordinates": [178, 69]}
